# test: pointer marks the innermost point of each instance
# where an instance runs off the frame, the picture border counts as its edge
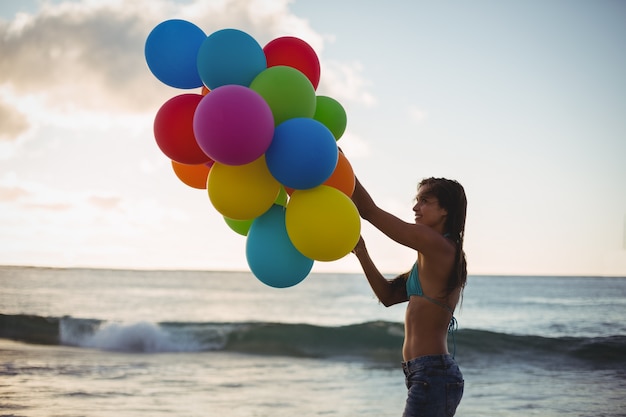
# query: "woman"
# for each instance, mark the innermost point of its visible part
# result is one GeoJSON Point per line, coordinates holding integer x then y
{"type": "Point", "coordinates": [433, 287]}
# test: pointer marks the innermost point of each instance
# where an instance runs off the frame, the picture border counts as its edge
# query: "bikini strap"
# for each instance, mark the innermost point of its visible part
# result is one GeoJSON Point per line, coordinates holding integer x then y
{"type": "Point", "coordinates": [452, 328]}
{"type": "Point", "coordinates": [439, 303]}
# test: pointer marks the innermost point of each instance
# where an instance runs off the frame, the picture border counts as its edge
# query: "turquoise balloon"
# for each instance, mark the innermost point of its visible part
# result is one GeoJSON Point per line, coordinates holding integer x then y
{"type": "Point", "coordinates": [271, 256]}
{"type": "Point", "coordinates": [230, 56]}
{"type": "Point", "coordinates": [287, 91]}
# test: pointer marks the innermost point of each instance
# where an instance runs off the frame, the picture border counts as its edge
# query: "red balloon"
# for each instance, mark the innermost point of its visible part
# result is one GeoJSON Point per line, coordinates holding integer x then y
{"type": "Point", "coordinates": [296, 53]}
{"type": "Point", "coordinates": [173, 130]}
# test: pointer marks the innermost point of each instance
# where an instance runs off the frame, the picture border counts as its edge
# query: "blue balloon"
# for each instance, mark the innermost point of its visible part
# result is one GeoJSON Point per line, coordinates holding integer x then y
{"type": "Point", "coordinates": [171, 50]}
{"type": "Point", "coordinates": [271, 256]}
{"type": "Point", "coordinates": [303, 153]}
{"type": "Point", "coordinates": [230, 56]}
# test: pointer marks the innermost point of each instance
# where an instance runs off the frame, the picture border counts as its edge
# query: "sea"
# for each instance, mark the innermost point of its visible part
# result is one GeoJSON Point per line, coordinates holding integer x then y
{"type": "Point", "coordinates": [136, 343]}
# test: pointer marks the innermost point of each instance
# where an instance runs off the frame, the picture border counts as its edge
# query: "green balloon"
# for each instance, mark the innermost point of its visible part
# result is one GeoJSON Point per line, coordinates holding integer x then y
{"type": "Point", "coordinates": [287, 91]}
{"type": "Point", "coordinates": [282, 198]}
{"type": "Point", "coordinates": [240, 226]}
{"type": "Point", "coordinates": [331, 114]}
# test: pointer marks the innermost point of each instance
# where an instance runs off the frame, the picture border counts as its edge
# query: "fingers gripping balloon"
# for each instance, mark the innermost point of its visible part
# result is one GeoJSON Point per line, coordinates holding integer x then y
{"type": "Point", "coordinates": [260, 142]}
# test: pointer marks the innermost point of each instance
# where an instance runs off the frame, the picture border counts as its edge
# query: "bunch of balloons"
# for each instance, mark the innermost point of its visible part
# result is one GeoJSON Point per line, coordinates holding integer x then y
{"type": "Point", "coordinates": [260, 140]}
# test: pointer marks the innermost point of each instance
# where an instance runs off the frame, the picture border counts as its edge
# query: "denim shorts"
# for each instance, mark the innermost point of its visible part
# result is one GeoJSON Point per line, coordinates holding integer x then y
{"type": "Point", "coordinates": [435, 385]}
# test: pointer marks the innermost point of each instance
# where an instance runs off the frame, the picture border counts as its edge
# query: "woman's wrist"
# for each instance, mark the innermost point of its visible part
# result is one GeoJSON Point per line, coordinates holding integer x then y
{"type": "Point", "coordinates": [359, 250]}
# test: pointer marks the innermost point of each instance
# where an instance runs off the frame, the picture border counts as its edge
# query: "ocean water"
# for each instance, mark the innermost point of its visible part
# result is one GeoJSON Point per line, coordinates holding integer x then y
{"type": "Point", "coordinates": [88, 342]}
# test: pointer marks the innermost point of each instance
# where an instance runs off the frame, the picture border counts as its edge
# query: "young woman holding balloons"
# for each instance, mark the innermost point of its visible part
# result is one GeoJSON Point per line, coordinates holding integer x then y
{"type": "Point", "coordinates": [432, 288]}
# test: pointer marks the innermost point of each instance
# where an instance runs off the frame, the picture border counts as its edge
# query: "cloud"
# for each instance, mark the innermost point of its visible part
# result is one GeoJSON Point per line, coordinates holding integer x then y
{"type": "Point", "coordinates": [344, 82]}
{"type": "Point", "coordinates": [104, 202]}
{"type": "Point", "coordinates": [354, 147]}
{"type": "Point", "coordinates": [35, 195]}
{"type": "Point", "coordinates": [11, 193]}
{"type": "Point", "coordinates": [12, 122]}
{"type": "Point", "coordinates": [624, 234]}
{"type": "Point", "coordinates": [90, 54]}
{"type": "Point", "coordinates": [80, 54]}
{"type": "Point", "coordinates": [417, 115]}
{"type": "Point", "coordinates": [54, 211]}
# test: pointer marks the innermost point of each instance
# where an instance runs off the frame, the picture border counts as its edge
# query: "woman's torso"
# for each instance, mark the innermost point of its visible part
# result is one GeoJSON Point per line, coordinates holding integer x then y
{"type": "Point", "coordinates": [426, 322]}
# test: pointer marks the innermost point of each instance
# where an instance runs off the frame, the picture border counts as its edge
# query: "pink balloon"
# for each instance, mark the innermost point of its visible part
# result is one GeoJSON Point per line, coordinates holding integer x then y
{"type": "Point", "coordinates": [233, 125]}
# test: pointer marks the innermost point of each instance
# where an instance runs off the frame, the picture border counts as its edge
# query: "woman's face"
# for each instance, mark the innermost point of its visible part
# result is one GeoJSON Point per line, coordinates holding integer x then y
{"type": "Point", "coordinates": [427, 209]}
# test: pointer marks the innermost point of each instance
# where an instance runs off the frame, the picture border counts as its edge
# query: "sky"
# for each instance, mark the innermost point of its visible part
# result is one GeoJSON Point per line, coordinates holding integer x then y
{"type": "Point", "coordinates": [522, 102]}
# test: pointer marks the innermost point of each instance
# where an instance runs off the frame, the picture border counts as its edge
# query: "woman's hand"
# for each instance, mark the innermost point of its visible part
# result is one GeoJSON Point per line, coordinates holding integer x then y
{"type": "Point", "coordinates": [360, 247]}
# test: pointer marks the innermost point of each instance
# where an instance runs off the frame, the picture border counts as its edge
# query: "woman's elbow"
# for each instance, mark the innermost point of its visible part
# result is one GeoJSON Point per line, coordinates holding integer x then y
{"type": "Point", "coordinates": [389, 301]}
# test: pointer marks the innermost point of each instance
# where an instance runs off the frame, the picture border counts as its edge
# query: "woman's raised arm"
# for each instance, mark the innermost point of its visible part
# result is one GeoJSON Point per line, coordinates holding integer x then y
{"type": "Point", "coordinates": [388, 292]}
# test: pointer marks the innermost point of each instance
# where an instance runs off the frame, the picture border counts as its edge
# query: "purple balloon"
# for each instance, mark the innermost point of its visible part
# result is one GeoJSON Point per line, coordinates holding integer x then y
{"type": "Point", "coordinates": [233, 125]}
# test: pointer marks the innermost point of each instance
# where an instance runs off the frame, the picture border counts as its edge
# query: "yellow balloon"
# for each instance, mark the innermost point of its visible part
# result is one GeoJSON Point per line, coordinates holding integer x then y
{"type": "Point", "coordinates": [242, 192]}
{"type": "Point", "coordinates": [322, 222]}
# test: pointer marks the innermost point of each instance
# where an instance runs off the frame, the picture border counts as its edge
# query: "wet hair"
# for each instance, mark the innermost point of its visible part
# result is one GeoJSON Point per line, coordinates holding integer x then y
{"type": "Point", "coordinates": [451, 196]}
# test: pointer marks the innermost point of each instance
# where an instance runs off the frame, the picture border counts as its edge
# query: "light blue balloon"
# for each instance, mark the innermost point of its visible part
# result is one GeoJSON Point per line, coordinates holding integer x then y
{"type": "Point", "coordinates": [271, 256]}
{"type": "Point", "coordinates": [303, 153]}
{"type": "Point", "coordinates": [230, 56]}
{"type": "Point", "coordinates": [171, 50]}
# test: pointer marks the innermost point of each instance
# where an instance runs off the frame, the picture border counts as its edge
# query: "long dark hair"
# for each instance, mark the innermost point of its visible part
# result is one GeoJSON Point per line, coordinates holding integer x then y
{"type": "Point", "coordinates": [451, 196]}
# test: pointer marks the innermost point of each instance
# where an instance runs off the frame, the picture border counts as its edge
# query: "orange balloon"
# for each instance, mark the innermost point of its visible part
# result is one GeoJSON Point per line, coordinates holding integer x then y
{"type": "Point", "coordinates": [343, 176]}
{"type": "Point", "coordinates": [194, 176]}
{"type": "Point", "coordinates": [205, 90]}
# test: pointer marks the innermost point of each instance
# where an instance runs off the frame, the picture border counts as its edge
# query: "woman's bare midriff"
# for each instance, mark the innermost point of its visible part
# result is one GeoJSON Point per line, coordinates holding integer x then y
{"type": "Point", "coordinates": [425, 329]}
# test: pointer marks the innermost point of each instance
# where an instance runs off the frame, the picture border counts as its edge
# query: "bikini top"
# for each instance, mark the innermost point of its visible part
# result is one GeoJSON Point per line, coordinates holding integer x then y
{"type": "Point", "coordinates": [414, 287]}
